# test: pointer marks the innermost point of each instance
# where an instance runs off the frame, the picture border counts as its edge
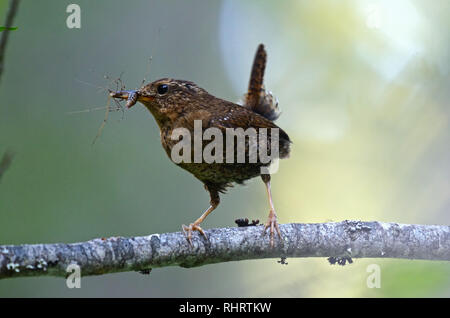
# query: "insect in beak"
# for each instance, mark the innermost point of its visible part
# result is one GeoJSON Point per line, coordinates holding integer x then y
{"type": "Point", "coordinates": [130, 96]}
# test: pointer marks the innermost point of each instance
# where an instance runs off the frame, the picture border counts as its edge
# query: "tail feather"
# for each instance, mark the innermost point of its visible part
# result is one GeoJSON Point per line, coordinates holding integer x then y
{"type": "Point", "coordinates": [257, 98]}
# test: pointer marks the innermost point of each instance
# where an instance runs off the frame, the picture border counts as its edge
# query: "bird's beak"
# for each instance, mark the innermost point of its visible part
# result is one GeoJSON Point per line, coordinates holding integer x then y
{"type": "Point", "coordinates": [131, 97]}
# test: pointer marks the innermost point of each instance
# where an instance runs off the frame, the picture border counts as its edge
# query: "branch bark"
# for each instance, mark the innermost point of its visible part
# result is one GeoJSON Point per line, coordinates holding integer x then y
{"type": "Point", "coordinates": [13, 6]}
{"type": "Point", "coordinates": [353, 239]}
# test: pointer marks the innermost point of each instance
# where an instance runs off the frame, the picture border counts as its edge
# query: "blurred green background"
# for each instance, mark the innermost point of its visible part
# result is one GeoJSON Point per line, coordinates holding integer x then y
{"type": "Point", "coordinates": [364, 90]}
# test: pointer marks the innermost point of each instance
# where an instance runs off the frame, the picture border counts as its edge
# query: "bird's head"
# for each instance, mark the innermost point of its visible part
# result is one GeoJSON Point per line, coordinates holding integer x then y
{"type": "Point", "coordinates": [163, 97]}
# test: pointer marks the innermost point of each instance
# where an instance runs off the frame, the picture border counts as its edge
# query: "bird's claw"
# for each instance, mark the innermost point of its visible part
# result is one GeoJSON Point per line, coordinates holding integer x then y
{"type": "Point", "coordinates": [273, 225]}
{"type": "Point", "coordinates": [187, 230]}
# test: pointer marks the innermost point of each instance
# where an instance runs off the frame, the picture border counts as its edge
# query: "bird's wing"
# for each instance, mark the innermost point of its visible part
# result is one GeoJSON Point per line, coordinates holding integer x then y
{"type": "Point", "coordinates": [240, 117]}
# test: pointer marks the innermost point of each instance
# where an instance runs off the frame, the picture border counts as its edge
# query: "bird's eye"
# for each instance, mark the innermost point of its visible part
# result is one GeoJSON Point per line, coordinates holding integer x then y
{"type": "Point", "coordinates": [162, 89]}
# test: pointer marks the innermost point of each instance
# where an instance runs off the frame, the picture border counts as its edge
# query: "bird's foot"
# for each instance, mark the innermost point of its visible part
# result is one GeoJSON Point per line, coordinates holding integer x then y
{"type": "Point", "coordinates": [273, 225]}
{"type": "Point", "coordinates": [192, 227]}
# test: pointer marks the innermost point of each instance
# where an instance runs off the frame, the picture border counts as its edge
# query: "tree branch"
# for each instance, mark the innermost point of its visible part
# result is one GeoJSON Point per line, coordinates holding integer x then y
{"type": "Point", "coordinates": [13, 5]}
{"type": "Point", "coordinates": [354, 239]}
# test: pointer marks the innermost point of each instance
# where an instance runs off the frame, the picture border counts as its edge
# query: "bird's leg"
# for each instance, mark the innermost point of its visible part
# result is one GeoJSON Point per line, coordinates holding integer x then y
{"type": "Point", "coordinates": [215, 199]}
{"type": "Point", "coordinates": [272, 219]}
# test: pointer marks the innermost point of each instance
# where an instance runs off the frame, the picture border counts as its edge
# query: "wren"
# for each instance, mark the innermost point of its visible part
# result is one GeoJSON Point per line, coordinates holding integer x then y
{"type": "Point", "coordinates": [178, 103]}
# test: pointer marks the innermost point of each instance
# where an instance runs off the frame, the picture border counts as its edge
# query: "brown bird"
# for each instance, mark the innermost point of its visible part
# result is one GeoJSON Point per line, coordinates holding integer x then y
{"type": "Point", "coordinates": [178, 104]}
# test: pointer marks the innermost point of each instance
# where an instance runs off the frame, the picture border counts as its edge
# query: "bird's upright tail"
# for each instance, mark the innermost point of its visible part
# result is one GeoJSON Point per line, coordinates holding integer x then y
{"type": "Point", "coordinates": [257, 98]}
